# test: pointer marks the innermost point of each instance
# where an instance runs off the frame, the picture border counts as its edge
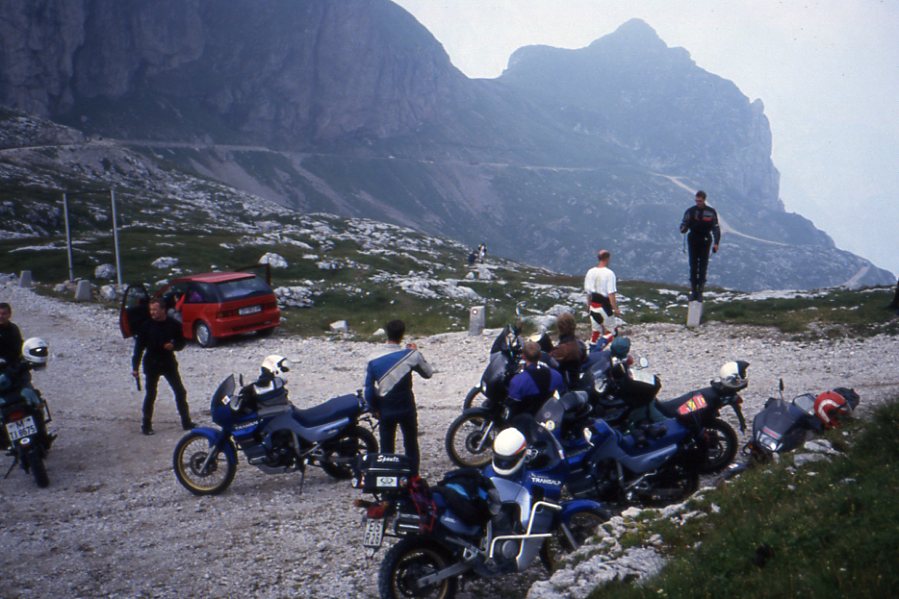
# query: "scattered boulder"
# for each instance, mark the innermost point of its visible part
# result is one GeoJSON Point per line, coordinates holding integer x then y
{"type": "Point", "coordinates": [105, 271]}
{"type": "Point", "coordinates": [108, 292]}
{"type": "Point", "coordinates": [274, 260]}
{"type": "Point", "coordinates": [340, 326]}
{"type": "Point", "coordinates": [164, 262]}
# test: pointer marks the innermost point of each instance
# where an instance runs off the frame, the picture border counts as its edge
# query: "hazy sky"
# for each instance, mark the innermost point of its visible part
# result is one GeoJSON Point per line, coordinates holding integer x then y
{"type": "Point", "coordinates": [827, 72]}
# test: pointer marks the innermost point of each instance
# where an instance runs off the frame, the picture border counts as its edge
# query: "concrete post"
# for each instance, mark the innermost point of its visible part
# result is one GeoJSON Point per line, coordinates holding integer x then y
{"type": "Point", "coordinates": [25, 279]}
{"type": "Point", "coordinates": [477, 319]}
{"type": "Point", "coordinates": [83, 291]}
{"type": "Point", "coordinates": [694, 314]}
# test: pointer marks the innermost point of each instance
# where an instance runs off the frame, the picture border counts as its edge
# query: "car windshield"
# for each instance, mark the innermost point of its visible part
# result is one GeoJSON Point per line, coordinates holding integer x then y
{"type": "Point", "coordinates": [231, 290]}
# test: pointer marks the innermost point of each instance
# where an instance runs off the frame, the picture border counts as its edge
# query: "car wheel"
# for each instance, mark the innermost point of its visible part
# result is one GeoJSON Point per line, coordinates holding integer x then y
{"type": "Point", "coordinates": [203, 335]}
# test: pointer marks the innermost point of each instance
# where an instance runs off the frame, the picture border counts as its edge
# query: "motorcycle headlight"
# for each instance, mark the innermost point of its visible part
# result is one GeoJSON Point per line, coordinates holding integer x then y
{"type": "Point", "coordinates": [588, 434]}
{"type": "Point", "coordinates": [484, 387]}
{"type": "Point", "coordinates": [769, 442]}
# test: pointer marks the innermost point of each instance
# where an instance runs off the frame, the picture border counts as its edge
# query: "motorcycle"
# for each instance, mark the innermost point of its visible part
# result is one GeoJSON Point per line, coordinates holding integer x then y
{"type": "Point", "coordinates": [624, 396]}
{"type": "Point", "coordinates": [782, 426]}
{"type": "Point", "coordinates": [470, 436]}
{"type": "Point", "coordinates": [25, 414]}
{"type": "Point", "coordinates": [654, 465]}
{"type": "Point", "coordinates": [273, 434]}
{"type": "Point", "coordinates": [518, 524]}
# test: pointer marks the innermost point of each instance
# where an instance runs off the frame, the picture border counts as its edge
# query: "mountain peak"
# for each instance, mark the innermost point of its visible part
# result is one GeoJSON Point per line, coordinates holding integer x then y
{"type": "Point", "coordinates": [635, 33]}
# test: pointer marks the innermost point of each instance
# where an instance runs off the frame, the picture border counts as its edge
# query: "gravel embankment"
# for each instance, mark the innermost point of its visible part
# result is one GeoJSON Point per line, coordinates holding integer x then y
{"type": "Point", "coordinates": [114, 521]}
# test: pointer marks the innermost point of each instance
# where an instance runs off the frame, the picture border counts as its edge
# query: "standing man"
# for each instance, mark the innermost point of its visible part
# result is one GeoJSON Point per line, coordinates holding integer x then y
{"type": "Point", "coordinates": [10, 336]}
{"type": "Point", "coordinates": [702, 223]}
{"type": "Point", "coordinates": [388, 390]}
{"type": "Point", "coordinates": [601, 287]}
{"type": "Point", "coordinates": [157, 340]}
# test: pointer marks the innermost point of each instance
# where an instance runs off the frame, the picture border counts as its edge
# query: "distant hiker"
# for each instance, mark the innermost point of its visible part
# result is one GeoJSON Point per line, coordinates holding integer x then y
{"type": "Point", "coordinates": [157, 340]}
{"type": "Point", "coordinates": [472, 256]}
{"type": "Point", "coordinates": [388, 390]}
{"type": "Point", "coordinates": [702, 223]}
{"type": "Point", "coordinates": [482, 252]}
{"type": "Point", "coordinates": [601, 287]}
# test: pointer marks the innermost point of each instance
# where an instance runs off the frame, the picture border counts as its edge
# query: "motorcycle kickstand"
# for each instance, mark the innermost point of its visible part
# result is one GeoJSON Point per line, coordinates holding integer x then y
{"type": "Point", "coordinates": [15, 462]}
{"type": "Point", "coordinates": [302, 477]}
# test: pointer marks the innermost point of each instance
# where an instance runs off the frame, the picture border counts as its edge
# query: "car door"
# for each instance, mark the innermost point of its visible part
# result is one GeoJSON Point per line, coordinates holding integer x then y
{"type": "Point", "coordinates": [134, 310]}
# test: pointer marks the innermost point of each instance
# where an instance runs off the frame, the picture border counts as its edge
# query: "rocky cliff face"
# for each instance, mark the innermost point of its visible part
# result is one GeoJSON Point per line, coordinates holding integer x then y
{"type": "Point", "coordinates": [278, 72]}
{"type": "Point", "coordinates": [352, 107]}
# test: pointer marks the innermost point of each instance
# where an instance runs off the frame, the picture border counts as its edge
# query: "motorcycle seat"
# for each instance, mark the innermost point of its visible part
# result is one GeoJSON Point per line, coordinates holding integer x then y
{"type": "Point", "coordinates": [342, 406]}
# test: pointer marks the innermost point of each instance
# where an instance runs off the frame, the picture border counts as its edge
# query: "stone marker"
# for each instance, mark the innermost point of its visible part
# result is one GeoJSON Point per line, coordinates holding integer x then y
{"type": "Point", "coordinates": [25, 279]}
{"type": "Point", "coordinates": [477, 319]}
{"type": "Point", "coordinates": [83, 291]}
{"type": "Point", "coordinates": [694, 314]}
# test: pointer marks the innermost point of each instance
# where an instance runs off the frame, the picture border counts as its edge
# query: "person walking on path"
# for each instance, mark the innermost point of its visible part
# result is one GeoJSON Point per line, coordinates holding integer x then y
{"type": "Point", "coordinates": [388, 390]}
{"type": "Point", "coordinates": [600, 284]}
{"type": "Point", "coordinates": [701, 224]}
{"type": "Point", "coordinates": [156, 341]}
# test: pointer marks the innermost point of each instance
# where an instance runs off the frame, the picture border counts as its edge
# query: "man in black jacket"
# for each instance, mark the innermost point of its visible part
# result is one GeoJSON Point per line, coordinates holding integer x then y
{"type": "Point", "coordinates": [157, 340]}
{"type": "Point", "coordinates": [10, 336]}
{"type": "Point", "coordinates": [702, 223]}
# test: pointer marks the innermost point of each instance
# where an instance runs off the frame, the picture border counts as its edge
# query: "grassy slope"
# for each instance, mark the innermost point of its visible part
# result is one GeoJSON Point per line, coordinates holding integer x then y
{"type": "Point", "coordinates": [828, 529]}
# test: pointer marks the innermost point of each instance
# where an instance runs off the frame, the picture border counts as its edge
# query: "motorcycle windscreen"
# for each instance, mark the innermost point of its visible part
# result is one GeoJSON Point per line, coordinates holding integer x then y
{"type": "Point", "coordinates": [134, 310]}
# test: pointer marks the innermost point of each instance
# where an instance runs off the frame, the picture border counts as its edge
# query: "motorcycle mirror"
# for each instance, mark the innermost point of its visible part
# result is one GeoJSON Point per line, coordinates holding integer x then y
{"type": "Point", "coordinates": [781, 385]}
{"type": "Point", "coordinates": [644, 363]}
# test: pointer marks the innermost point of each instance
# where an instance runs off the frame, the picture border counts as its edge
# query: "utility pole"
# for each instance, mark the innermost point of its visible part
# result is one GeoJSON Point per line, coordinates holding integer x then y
{"type": "Point", "coordinates": [115, 237]}
{"type": "Point", "coordinates": [65, 211]}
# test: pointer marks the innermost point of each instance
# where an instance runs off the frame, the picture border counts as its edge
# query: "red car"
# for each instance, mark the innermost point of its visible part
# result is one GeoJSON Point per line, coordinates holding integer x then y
{"type": "Point", "coordinates": [210, 306]}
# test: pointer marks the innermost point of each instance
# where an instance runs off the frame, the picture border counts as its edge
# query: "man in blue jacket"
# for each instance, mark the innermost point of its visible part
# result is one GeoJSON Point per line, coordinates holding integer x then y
{"type": "Point", "coordinates": [536, 383]}
{"type": "Point", "coordinates": [388, 390]}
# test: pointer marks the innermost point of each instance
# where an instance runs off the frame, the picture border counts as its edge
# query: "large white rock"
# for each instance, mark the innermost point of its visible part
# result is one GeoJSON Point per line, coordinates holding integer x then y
{"type": "Point", "coordinates": [274, 260]}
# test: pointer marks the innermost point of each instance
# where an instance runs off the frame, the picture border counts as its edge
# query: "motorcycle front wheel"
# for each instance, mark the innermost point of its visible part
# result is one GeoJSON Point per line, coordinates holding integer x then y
{"type": "Point", "coordinates": [469, 398]}
{"type": "Point", "coordinates": [37, 467]}
{"type": "Point", "coordinates": [190, 455]}
{"type": "Point", "coordinates": [408, 561]}
{"type": "Point", "coordinates": [341, 453]}
{"type": "Point", "coordinates": [721, 446]}
{"type": "Point", "coordinates": [469, 440]}
{"type": "Point", "coordinates": [570, 537]}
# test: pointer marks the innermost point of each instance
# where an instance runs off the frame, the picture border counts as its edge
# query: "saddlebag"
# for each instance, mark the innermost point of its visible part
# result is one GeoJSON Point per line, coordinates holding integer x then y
{"type": "Point", "coordinates": [382, 472]}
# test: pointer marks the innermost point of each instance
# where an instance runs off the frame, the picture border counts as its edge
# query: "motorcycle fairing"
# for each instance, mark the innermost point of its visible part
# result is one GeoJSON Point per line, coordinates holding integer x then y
{"type": "Point", "coordinates": [311, 434]}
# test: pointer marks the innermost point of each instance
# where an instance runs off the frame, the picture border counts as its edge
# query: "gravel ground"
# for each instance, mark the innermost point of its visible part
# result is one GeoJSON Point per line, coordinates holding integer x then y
{"type": "Point", "coordinates": [115, 523]}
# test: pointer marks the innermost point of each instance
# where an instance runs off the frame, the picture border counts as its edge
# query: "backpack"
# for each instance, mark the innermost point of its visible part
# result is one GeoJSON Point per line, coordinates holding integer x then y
{"type": "Point", "coordinates": [467, 494]}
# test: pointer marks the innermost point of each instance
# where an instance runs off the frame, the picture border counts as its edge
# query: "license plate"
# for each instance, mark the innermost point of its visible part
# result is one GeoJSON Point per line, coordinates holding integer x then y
{"type": "Point", "coordinates": [21, 428]}
{"type": "Point", "coordinates": [386, 482]}
{"type": "Point", "coordinates": [374, 533]}
{"type": "Point", "coordinates": [249, 310]}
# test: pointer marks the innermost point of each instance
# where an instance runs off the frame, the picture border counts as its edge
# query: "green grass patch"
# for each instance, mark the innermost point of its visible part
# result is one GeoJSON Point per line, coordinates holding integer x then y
{"type": "Point", "coordinates": [825, 530]}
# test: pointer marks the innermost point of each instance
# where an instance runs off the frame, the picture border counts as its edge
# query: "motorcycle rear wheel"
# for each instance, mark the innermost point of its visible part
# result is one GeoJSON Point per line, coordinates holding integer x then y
{"type": "Point", "coordinates": [345, 448]}
{"type": "Point", "coordinates": [464, 437]}
{"type": "Point", "coordinates": [582, 526]}
{"type": "Point", "coordinates": [37, 466]}
{"type": "Point", "coordinates": [412, 558]}
{"type": "Point", "coordinates": [190, 453]}
{"type": "Point", "coordinates": [721, 443]}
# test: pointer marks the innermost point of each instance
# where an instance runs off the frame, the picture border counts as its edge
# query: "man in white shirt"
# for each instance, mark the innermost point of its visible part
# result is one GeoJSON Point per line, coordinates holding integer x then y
{"type": "Point", "coordinates": [600, 285]}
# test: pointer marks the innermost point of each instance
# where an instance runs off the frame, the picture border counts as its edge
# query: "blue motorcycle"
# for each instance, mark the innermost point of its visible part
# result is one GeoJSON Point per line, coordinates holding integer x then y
{"type": "Point", "coordinates": [654, 465]}
{"type": "Point", "coordinates": [273, 434]}
{"type": "Point", "coordinates": [471, 524]}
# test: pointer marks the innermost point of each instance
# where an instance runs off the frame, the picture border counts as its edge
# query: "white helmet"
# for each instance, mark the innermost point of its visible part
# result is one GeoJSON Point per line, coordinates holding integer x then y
{"type": "Point", "coordinates": [733, 375]}
{"type": "Point", "coordinates": [509, 451]}
{"type": "Point", "coordinates": [276, 365]}
{"type": "Point", "coordinates": [36, 352]}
